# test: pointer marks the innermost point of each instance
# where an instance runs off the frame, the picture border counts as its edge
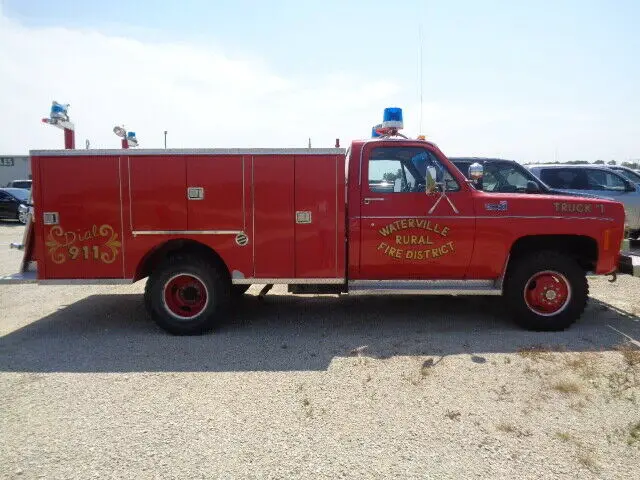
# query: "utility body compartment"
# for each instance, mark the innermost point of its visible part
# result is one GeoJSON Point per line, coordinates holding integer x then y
{"type": "Point", "coordinates": [267, 213]}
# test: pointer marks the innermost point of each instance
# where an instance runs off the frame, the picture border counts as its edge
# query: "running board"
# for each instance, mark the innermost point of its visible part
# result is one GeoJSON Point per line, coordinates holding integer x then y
{"type": "Point", "coordinates": [425, 287]}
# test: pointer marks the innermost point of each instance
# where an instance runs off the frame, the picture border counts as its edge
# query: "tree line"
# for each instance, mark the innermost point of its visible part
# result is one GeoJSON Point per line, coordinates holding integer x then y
{"type": "Point", "coordinates": [633, 165]}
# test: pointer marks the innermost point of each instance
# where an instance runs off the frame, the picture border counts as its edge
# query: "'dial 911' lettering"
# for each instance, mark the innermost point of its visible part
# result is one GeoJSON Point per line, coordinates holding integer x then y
{"type": "Point", "coordinates": [99, 244]}
{"type": "Point", "coordinates": [425, 240]}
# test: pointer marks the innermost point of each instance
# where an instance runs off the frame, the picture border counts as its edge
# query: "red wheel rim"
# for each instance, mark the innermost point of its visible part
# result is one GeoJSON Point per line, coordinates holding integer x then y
{"type": "Point", "coordinates": [185, 296]}
{"type": "Point", "coordinates": [547, 293]}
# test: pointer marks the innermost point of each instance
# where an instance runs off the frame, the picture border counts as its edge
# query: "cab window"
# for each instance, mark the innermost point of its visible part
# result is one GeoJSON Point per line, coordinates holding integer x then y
{"type": "Point", "coordinates": [565, 178]}
{"type": "Point", "coordinates": [603, 180]}
{"type": "Point", "coordinates": [403, 170]}
{"type": "Point", "coordinates": [504, 178]}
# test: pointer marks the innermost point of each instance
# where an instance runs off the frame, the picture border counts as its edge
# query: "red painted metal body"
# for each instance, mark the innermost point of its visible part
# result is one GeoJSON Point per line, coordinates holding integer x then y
{"type": "Point", "coordinates": [286, 215]}
{"type": "Point", "coordinates": [120, 208]}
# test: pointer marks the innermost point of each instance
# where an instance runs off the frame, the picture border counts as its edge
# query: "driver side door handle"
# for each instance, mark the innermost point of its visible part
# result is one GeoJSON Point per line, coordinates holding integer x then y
{"type": "Point", "coordinates": [368, 200]}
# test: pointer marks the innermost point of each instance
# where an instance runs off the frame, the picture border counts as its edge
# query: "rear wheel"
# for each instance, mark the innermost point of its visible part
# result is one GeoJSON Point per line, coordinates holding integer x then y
{"type": "Point", "coordinates": [186, 295]}
{"type": "Point", "coordinates": [546, 291]}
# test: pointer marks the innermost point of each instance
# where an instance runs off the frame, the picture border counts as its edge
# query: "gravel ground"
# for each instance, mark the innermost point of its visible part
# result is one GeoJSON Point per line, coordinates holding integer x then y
{"type": "Point", "coordinates": [314, 387]}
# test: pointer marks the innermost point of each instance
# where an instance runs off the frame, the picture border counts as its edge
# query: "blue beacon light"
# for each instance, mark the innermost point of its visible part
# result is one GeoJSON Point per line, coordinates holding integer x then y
{"type": "Point", "coordinates": [392, 118]}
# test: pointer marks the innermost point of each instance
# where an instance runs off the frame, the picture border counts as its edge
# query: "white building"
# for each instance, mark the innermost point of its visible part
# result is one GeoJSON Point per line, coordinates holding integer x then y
{"type": "Point", "coordinates": [14, 167]}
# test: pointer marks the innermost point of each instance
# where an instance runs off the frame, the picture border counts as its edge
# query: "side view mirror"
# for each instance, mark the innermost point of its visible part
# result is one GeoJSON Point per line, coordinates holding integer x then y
{"type": "Point", "coordinates": [532, 187]}
{"type": "Point", "coordinates": [475, 174]}
{"type": "Point", "coordinates": [476, 171]}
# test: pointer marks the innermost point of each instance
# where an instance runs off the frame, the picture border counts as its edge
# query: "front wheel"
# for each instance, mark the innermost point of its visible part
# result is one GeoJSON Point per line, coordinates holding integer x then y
{"type": "Point", "coordinates": [546, 291]}
{"type": "Point", "coordinates": [186, 295]}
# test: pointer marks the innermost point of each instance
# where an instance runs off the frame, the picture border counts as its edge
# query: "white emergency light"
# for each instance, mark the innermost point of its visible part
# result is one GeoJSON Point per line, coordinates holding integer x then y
{"type": "Point", "coordinates": [119, 131]}
{"type": "Point", "coordinates": [128, 138]}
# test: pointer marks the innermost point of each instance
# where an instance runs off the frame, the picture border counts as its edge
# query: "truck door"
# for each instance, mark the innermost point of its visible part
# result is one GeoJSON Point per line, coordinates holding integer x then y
{"type": "Point", "coordinates": [405, 232]}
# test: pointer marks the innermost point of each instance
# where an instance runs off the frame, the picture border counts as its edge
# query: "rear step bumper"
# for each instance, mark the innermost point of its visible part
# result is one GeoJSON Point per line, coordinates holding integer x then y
{"type": "Point", "coordinates": [629, 261]}
{"type": "Point", "coordinates": [16, 278]}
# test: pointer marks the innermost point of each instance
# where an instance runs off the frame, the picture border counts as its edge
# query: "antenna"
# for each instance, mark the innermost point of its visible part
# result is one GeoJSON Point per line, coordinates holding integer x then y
{"type": "Point", "coordinates": [420, 74]}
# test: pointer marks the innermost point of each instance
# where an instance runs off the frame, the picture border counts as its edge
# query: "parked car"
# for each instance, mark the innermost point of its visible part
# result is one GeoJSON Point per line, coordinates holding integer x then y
{"type": "Point", "coordinates": [595, 180]}
{"type": "Point", "coordinates": [11, 201]}
{"type": "Point", "coordinates": [24, 184]}
{"type": "Point", "coordinates": [507, 176]}
{"type": "Point", "coordinates": [629, 174]}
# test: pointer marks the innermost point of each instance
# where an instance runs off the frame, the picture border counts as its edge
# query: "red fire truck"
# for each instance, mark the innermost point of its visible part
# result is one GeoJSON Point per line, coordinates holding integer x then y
{"type": "Point", "coordinates": [388, 215]}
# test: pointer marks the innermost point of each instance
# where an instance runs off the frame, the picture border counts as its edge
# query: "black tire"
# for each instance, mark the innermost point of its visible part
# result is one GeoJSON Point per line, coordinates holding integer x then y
{"type": "Point", "coordinates": [211, 288]}
{"type": "Point", "coordinates": [522, 275]}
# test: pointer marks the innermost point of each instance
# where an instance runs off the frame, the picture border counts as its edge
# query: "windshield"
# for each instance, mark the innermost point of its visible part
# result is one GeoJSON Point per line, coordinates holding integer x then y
{"type": "Point", "coordinates": [629, 175]}
{"type": "Point", "coordinates": [19, 193]}
{"type": "Point", "coordinates": [21, 184]}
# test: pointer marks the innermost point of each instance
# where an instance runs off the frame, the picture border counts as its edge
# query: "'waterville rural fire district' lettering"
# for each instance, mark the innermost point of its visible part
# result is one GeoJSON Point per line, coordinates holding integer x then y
{"type": "Point", "coordinates": [402, 246]}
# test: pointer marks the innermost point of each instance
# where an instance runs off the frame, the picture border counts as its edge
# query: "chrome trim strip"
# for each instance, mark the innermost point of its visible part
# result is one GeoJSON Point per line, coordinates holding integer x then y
{"type": "Point", "coordinates": [424, 287]}
{"type": "Point", "coordinates": [253, 217]}
{"type": "Point", "coordinates": [244, 213]}
{"type": "Point", "coordinates": [186, 232]}
{"type": "Point", "coordinates": [87, 281]}
{"type": "Point", "coordinates": [121, 214]}
{"type": "Point", "coordinates": [401, 217]}
{"type": "Point", "coordinates": [337, 230]}
{"type": "Point", "coordinates": [130, 197]}
{"type": "Point", "coordinates": [288, 281]}
{"type": "Point", "coordinates": [189, 151]}
{"type": "Point", "coordinates": [487, 283]}
{"type": "Point", "coordinates": [417, 291]}
{"type": "Point", "coordinates": [487, 217]}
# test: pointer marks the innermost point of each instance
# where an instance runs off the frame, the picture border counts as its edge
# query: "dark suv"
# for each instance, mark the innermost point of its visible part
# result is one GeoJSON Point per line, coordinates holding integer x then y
{"type": "Point", "coordinates": [505, 176]}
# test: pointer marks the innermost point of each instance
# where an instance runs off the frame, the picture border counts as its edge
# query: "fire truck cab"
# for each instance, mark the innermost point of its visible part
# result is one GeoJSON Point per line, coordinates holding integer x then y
{"type": "Point", "coordinates": [390, 215]}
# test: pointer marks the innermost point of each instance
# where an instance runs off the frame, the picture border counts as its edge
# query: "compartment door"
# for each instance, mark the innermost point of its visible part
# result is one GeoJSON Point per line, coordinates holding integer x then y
{"type": "Point", "coordinates": [158, 193]}
{"type": "Point", "coordinates": [217, 201]}
{"type": "Point", "coordinates": [81, 217]}
{"type": "Point", "coordinates": [316, 216]}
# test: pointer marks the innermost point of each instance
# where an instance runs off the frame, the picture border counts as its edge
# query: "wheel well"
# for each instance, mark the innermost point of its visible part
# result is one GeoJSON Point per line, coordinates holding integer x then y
{"type": "Point", "coordinates": [180, 246]}
{"type": "Point", "coordinates": [582, 248]}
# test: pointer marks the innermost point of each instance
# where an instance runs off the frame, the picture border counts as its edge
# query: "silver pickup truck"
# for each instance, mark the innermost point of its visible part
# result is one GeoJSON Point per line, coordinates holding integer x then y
{"type": "Point", "coordinates": [595, 180]}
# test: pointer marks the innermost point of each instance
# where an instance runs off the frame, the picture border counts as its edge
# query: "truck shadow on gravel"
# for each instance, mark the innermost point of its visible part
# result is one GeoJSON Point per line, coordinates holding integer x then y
{"type": "Point", "coordinates": [112, 333]}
